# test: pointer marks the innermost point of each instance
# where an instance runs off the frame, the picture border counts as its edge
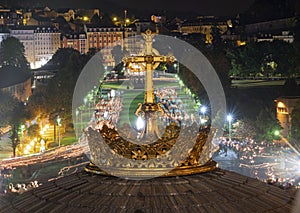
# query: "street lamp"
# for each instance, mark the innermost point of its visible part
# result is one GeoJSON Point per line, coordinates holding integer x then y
{"type": "Point", "coordinates": [85, 100]}
{"type": "Point", "coordinates": [276, 132]}
{"type": "Point", "coordinates": [76, 121]}
{"type": "Point", "coordinates": [22, 131]}
{"type": "Point", "coordinates": [140, 123]}
{"type": "Point", "coordinates": [229, 119]}
{"type": "Point", "coordinates": [58, 124]}
{"type": "Point", "coordinates": [176, 67]}
{"type": "Point", "coordinates": [202, 110]}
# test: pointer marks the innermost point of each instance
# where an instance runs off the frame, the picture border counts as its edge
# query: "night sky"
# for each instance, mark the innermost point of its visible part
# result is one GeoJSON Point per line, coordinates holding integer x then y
{"type": "Point", "coordinates": [205, 7]}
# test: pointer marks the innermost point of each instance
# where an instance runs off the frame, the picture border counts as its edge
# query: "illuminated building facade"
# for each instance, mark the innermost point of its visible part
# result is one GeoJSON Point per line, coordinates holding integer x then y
{"type": "Point", "coordinates": [40, 43]}
{"type": "Point", "coordinates": [204, 25]}
{"type": "Point", "coordinates": [105, 38]}
{"type": "Point", "coordinates": [286, 36]}
{"type": "Point", "coordinates": [77, 41]}
{"type": "Point", "coordinates": [101, 38]}
{"type": "Point", "coordinates": [284, 108]}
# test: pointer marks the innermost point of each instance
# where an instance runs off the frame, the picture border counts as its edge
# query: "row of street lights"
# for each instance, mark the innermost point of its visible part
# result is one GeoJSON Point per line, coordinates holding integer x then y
{"type": "Point", "coordinates": [203, 109]}
{"type": "Point", "coordinates": [58, 119]}
{"type": "Point", "coordinates": [229, 119]}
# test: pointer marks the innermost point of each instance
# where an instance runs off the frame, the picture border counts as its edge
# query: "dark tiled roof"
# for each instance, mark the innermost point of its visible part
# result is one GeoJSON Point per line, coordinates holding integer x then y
{"type": "Point", "coordinates": [36, 28]}
{"type": "Point", "coordinates": [40, 18]}
{"type": "Point", "coordinates": [63, 10]}
{"type": "Point", "coordinates": [4, 29]}
{"type": "Point", "coordinates": [216, 191]}
{"type": "Point", "coordinates": [102, 26]}
{"type": "Point", "coordinates": [21, 27]}
{"type": "Point", "coordinates": [76, 35]}
{"type": "Point", "coordinates": [10, 76]}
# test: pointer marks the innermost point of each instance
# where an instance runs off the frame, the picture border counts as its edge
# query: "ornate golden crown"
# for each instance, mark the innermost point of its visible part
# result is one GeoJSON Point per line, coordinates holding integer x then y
{"type": "Point", "coordinates": [145, 160]}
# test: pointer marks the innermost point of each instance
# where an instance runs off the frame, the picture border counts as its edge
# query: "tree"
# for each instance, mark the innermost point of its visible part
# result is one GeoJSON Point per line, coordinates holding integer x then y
{"type": "Point", "coordinates": [245, 128]}
{"type": "Point", "coordinates": [295, 126]}
{"type": "Point", "coordinates": [7, 105]}
{"type": "Point", "coordinates": [286, 57]}
{"type": "Point", "coordinates": [33, 131]}
{"type": "Point", "coordinates": [266, 125]}
{"type": "Point", "coordinates": [216, 35]}
{"type": "Point", "coordinates": [56, 97]}
{"type": "Point", "coordinates": [246, 60]}
{"type": "Point", "coordinates": [14, 139]}
{"type": "Point", "coordinates": [218, 121]}
{"type": "Point", "coordinates": [12, 113]}
{"type": "Point", "coordinates": [37, 102]}
{"type": "Point", "coordinates": [264, 58]}
{"type": "Point", "coordinates": [12, 53]}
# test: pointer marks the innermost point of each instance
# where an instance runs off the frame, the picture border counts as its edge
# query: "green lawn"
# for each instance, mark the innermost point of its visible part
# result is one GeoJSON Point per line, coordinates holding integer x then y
{"type": "Point", "coordinates": [256, 83]}
{"type": "Point", "coordinates": [121, 85]}
{"type": "Point", "coordinates": [130, 100]}
{"type": "Point", "coordinates": [68, 139]}
{"type": "Point", "coordinates": [5, 154]}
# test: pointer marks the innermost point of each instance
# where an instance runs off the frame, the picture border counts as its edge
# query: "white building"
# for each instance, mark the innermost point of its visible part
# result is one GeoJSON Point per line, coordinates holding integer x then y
{"type": "Point", "coordinates": [40, 43]}
{"type": "Point", "coordinates": [4, 33]}
{"type": "Point", "coordinates": [286, 36]}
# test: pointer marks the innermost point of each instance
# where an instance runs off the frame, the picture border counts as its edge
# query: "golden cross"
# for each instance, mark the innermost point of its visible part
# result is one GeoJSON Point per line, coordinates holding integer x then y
{"type": "Point", "coordinates": [148, 60]}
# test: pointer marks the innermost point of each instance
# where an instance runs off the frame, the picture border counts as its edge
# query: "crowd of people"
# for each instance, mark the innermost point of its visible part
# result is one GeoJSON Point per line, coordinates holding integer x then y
{"type": "Point", "coordinates": [108, 111]}
{"type": "Point", "coordinates": [237, 146]}
{"type": "Point", "coordinates": [269, 162]}
{"type": "Point", "coordinates": [174, 108]}
{"type": "Point", "coordinates": [21, 188]}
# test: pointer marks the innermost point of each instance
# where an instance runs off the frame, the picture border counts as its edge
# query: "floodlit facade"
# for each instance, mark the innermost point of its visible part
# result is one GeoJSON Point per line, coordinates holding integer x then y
{"type": "Point", "coordinates": [101, 39]}
{"type": "Point", "coordinates": [284, 108]}
{"type": "Point", "coordinates": [203, 26]}
{"type": "Point", "coordinates": [40, 43]}
{"type": "Point", "coordinates": [77, 41]}
{"type": "Point", "coordinates": [286, 36]}
{"type": "Point", "coordinates": [104, 38]}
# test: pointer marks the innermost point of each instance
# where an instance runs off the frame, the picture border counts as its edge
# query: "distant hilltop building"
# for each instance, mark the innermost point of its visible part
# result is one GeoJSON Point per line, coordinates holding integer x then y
{"type": "Point", "coordinates": [40, 43]}
{"type": "Point", "coordinates": [279, 29]}
{"type": "Point", "coordinates": [10, 17]}
{"type": "Point", "coordinates": [267, 26]}
{"type": "Point", "coordinates": [204, 26]}
{"type": "Point", "coordinates": [286, 36]}
{"type": "Point", "coordinates": [16, 82]}
{"type": "Point", "coordinates": [47, 14]}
